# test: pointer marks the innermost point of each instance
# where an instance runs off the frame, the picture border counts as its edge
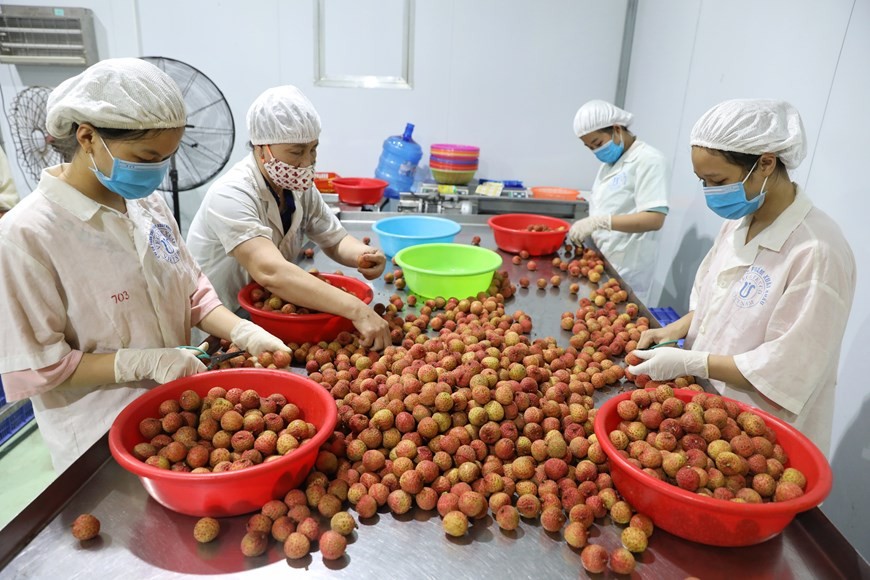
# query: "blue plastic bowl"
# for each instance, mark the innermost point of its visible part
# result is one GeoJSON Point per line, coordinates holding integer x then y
{"type": "Point", "coordinates": [398, 233]}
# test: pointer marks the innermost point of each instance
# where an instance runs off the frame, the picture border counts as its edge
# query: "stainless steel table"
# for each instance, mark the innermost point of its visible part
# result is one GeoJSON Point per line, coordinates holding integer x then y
{"type": "Point", "coordinates": [141, 539]}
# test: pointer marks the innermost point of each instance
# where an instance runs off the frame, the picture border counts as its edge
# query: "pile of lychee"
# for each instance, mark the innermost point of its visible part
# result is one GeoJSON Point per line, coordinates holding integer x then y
{"type": "Point", "coordinates": [706, 446]}
{"type": "Point", "coordinates": [264, 300]}
{"type": "Point", "coordinates": [587, 264]}
{"type": "Point", "coordinates": [543, 228]}
{"type": "Point", "coordinates": [226, 430]}
{"type": "Point", "coordinates": [265, 360]}
{"type": "Point", "coordinates": [293, 524]}
{"type": "Point", "coordinates": [477, 419]}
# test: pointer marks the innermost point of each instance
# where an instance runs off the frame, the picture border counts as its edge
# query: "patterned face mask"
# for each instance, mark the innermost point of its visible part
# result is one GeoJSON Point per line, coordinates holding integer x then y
{"type": "Point", "coordinates": [287, 176]}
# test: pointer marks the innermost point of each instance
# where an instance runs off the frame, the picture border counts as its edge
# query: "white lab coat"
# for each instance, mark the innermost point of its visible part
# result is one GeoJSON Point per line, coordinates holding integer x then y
{"type": "Point", "coordinates": [77, 275]}
{"type": "Point", "coordinates": [637, 182]}
{"type": "Point", "coordinates": [779, 305]}
{"type": "Point", "coordinates": [238, 207]}
{"type": "Point", "coordinates": [8, 191]}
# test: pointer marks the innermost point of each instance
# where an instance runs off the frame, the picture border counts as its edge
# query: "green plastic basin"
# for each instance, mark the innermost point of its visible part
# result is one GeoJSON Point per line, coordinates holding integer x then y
{"type": "Point", "coordinates": [448, 270]}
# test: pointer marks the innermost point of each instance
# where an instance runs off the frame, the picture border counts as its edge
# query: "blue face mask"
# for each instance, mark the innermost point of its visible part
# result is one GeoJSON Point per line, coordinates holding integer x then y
{"type": "Point", "coordinates": [132, 180]}
{"type": "Point", "coordinates": [729, 201]}
{"type": "Point", "coordinates": [610, 152]}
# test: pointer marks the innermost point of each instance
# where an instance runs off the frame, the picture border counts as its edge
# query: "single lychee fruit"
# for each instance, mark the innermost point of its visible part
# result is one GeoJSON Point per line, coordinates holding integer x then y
{"type": "Point", "coordinates": [786, 490]}
{"type": "Point", "coordinates": [282, 528]}
{"type": "Point", "coordinates": [296, 546]}
{"type": "Point", "coordinates": [507, 517]}
{"type": "Point", "coordinates": [642, 522]}
{"type": "Point", "coordinates": [343, 523]}
{"type": "Point", "coordinates": [576, 535]}
{"type": "Point", "coordinates": [552, 519]}
{"type": "Point", "coordinates": [594, 558]}
{"type": "Point", "coordinates": [332, 545]}
{"type": "Point", "coordinates": [206, 530]}
{"type": "Point", "coordinates": [620, 512]}
{"type": "Point", "coordinates": [85, 527]}
{"type": "Point", "coordinates": [622, 561]}
{"type": "Point", "coordinates": [455, 524]}
{"type": "Point", "coordinates": [254, 544]}
{"type": "Point", "coordinates": [795, 476]}
{"type": "Point", "coordinates": [310, 528]}
{"type": "Point", "coordinates": [259, 523]}
{"type": "Point", "coordinates": [634, 539]}
{"type": "Point", "coordinates": [366, 507]}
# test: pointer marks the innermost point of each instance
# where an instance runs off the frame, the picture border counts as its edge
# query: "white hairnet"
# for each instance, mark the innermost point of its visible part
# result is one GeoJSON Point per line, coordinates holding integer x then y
{"type": "Point", "coordinates": [117, 93]}
{"type": "Point", "coordinates": [598, 114]}
{"type": "Point", "coordinates": [753, 126]}
{"type": "Point", "coordinates": [283, 115]}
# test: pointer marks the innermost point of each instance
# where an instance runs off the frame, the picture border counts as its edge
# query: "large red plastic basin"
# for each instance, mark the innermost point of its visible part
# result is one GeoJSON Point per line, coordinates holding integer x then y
{"type": "Point", "coordinates": [301, 328]}
{"type": "Point", "coordinates": [359, 190]}
{"type": "Point", "coordinates": [233, 492]}
{"type": "Point", "coordinates": [511, 235]}
{"type": "Point", "coordinates": [707, 520]}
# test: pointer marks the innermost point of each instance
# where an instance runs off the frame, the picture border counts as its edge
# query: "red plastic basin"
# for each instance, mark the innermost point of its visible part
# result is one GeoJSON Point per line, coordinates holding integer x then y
{"type": "Point", "coordinates": [511, 235]}
{"type": "Point", "coordinates": [233, 492]}
{"type": "Point", "coordinates": [359, 190]}
{"type": "Point", "coordinates": [707, 520]}
{"type": "Point", "coordinates": [558, 193]}
{"type": "Point", "coordinates": [301, 328]}
{"type": "Point", "coordinates": [323, 181]}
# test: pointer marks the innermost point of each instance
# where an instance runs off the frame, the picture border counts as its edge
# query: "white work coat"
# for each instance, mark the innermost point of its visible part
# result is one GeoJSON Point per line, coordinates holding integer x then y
{"type": "Point", "coordinates": [240, 206]}
{"type": "Point", "coordinates": [637, 182]}
{"type": "Point", "coordinates": [779, 305]}
{"type": "Point", "coordinates": [77, 275]}
{"type": "Point", "coordinates": [8, 191]}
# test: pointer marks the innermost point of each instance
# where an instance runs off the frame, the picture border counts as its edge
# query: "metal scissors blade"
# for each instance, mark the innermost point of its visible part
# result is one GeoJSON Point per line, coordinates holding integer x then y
{"type": "Point", "coordinates": [665, 343]}
{"type": "Point", "coordinates": [219, 358]}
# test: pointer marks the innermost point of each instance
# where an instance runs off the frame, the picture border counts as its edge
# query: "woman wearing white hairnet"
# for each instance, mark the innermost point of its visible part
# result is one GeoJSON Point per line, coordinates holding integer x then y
{"type": "Point", "coordinates": [771, 299]}
{"type": "Point", "coordinates": [253, 220]}
{"type": "Point", "coordinates": [96, 286]}
{"type": "Point", "coordinates": [629, 198]}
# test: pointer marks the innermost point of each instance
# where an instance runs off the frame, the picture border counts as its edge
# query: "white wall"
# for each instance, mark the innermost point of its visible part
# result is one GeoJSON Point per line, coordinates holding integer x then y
{"type": "Point", "coordinates": [485, 73]}
{"type": "Point", "coordinates": [117, 36]}
{"type": "Point", "coordinates": [689, 56]}
{"type": "Point", "coordinates": [503, 75]}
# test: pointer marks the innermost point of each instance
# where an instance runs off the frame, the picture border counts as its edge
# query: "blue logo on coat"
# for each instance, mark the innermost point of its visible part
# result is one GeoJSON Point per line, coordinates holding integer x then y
{"type": "Point", "coordinates": [753, 288]}
{"type": "Point", "coordinates": [163, 243]}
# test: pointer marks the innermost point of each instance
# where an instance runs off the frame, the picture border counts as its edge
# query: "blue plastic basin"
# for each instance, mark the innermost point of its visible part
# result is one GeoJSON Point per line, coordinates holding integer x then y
{"type": "Point", "coordinates": [398, 233]}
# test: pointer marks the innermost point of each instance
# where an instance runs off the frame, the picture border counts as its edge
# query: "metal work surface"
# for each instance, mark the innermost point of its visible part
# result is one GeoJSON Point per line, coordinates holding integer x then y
{"type": "Point", "coordinates": [141, 539]}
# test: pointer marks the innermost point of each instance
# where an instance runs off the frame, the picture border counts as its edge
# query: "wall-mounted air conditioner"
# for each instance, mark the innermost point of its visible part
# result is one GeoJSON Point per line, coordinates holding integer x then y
{"type": "Point", "coordinates": [47, 35]}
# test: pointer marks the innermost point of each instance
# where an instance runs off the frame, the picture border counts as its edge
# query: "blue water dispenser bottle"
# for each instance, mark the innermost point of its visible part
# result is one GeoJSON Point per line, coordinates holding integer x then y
{"type": "Point", "coordinates": [398, 162]}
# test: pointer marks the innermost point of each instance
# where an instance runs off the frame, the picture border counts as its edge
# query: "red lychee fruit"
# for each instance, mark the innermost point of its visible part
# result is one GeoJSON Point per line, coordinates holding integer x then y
{"type": "Point", "coordinates": [296, 546]}
{"type": "Point", "coordinates": [622, 561]}
{"type": "Point", "coordinates": [332, 545]}
{"type": "Point", "coordinates": [85, 527]}
{"type": "Point", "coordinates": [594, 558]}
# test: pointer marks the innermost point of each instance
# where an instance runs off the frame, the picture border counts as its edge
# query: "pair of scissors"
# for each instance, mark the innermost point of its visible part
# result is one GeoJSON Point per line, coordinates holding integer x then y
{"type": "Point", "coordinates": [665, 343]}
{"type": "Point", "coordinates": [212, 360]}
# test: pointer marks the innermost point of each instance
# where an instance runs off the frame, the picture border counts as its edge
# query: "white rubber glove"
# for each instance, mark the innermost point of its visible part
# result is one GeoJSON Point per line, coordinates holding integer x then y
{"type": "Point", "coordinates": [582, 229]}
{"type": "Point", "coordinates": [159, 364]}
{"type": "Point", "coordinates": [664, 364]}
{"type": "Point", "coordinates": [248, 336]}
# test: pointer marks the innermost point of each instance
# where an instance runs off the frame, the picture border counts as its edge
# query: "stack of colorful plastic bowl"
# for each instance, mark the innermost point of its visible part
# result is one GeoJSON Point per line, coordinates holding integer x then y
{"type": "Point", "coordinates": [453, 164]}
